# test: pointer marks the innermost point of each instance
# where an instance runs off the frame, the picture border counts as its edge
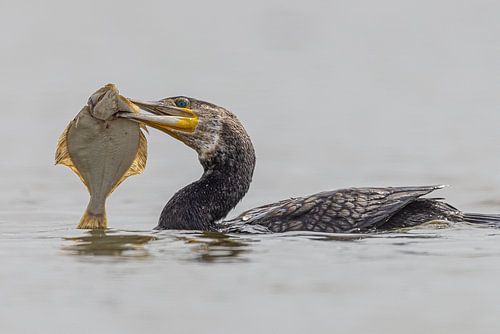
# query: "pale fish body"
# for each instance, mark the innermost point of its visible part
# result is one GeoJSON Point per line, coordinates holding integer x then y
{"type": "Point", "coordinates": [102, 150]}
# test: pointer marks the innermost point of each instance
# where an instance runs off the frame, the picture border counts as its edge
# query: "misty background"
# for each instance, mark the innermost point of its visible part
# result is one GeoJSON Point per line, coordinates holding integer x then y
{"type": "Point", "coordinates": [333, 93]}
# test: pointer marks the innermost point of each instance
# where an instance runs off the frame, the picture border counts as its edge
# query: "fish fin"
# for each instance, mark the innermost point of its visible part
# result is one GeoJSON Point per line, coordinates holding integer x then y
{"type": "Point", "coordinates": [62, 154]}
{"type": "Point", "coordinates": [139, 163]}
{"type": "Point", "coordinates": [91, 221]}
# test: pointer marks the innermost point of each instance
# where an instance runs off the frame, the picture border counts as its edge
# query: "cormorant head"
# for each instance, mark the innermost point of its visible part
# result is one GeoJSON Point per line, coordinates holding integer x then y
{"type": "Point", "coordinates": [197, 123]}
{"type": "Point", "coordinates": [225, 152]}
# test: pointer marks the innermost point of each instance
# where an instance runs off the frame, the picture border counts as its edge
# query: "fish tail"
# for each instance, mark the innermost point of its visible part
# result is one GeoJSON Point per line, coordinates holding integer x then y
{"type": "Point", "coordinates": [91, 219]}
{"type": "Point", "coordinates": [483, 219]}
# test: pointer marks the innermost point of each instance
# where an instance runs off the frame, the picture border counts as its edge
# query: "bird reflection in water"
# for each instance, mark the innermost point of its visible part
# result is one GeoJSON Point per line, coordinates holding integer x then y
{"type": "Point", "coordinates": [400, 233]}
{"type": "Point", "coordinates": [109, 243]}
{"type": "Point", "coordinates": [216, 247]}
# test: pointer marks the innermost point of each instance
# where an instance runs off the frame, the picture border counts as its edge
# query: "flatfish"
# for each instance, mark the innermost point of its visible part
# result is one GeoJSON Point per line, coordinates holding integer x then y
{"type": "Point", "coordinates": [102, 149]}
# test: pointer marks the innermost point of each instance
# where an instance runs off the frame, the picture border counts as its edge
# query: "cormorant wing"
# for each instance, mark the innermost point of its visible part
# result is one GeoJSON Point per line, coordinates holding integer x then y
{"type": "Point", "coordinates": [344, 210]}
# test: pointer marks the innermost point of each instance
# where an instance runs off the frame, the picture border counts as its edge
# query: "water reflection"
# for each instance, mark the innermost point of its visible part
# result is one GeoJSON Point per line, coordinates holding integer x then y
{"type": "Point", "coordinates": [216, 247]}
{"type": "Point", "coordinates": [320, 236]}
{"type": "Point", "coordinates": [210, 247]}
{"type": "Point", "coordinates": [205, 246]}
{"type": "Point", "coordinates": [407, 233]}
{"type": "Point", "coordinates": [109, 243]}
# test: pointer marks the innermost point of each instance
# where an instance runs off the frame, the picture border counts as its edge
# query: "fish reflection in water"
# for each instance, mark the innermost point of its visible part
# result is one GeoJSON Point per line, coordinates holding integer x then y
{"type": "Point", "coordinates": [109, 243]}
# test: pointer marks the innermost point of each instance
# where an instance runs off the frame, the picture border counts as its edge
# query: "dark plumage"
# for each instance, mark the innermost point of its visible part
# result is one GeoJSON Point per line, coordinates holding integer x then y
{"type": "Point", "coordinates": [348, 210]}
{"type": "Point", "coordinates": [226, 153]}
{"type": "Point", "coordinates": [228, 170]}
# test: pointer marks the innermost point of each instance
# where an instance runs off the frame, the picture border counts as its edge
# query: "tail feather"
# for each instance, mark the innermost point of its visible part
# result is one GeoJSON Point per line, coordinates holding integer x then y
{"type": "Point", "coordinates": [483, 219]}
{"type": "Point", "coordinates": [92, 221]}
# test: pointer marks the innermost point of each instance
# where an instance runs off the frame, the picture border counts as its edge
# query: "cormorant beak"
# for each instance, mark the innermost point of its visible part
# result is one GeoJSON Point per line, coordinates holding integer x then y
{"type": "Point", "coordinates": [163, 117]}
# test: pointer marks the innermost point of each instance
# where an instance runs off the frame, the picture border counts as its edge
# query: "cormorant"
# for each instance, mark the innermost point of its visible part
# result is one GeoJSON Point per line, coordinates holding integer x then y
{"type": "Point", "coordinates": [227, 155]}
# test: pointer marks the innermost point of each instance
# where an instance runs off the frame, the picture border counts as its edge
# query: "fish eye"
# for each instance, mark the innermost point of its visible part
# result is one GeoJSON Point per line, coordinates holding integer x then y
{"type": "Point", "coordinates": [182, 102]}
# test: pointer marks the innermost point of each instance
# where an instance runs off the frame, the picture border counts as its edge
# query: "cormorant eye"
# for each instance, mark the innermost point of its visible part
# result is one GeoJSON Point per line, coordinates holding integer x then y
{"type": "Point", "coordinates": [182, 102]}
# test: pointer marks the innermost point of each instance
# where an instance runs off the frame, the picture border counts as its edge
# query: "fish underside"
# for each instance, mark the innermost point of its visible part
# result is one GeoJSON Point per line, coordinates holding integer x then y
{"type": "Point", "coordinates": [102, 150]}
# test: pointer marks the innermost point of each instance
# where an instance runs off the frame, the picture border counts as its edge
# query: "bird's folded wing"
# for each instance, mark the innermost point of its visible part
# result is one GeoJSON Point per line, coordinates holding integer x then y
{"type": "Point", "coordinates": [342, 210]}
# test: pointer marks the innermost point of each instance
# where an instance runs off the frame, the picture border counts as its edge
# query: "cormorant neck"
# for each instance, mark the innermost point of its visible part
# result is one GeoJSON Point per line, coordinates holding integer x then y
{"type": "Point", "coordinates": [228, 169]}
